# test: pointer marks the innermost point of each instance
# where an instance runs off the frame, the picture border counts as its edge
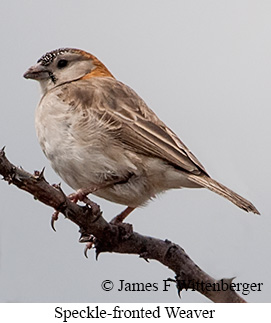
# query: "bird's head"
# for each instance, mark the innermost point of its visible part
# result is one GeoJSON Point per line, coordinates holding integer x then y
{"type": "Point", "coordinates": [65, 65]}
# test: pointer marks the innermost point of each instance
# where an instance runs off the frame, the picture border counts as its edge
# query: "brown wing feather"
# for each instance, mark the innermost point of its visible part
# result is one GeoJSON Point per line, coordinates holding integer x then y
{"type": "Point", "coordinates": [139, 128]}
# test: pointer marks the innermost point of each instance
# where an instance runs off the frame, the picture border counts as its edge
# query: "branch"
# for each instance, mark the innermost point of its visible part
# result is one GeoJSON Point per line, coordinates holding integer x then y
{"type": "Point", "coordinates": [120, 238]}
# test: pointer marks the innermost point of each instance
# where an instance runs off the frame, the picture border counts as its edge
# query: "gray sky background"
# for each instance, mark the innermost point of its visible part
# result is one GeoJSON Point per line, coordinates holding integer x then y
{"type": "Point", "coordinates": [205, 68]}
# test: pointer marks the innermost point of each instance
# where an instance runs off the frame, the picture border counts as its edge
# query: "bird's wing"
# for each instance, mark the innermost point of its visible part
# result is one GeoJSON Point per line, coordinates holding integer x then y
{"type": "Point", "coordinates": [137, 126]}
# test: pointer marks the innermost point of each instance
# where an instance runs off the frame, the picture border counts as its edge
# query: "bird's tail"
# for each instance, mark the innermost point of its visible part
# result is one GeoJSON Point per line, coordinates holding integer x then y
{"type": "Point", "coordinates": [222, 190]}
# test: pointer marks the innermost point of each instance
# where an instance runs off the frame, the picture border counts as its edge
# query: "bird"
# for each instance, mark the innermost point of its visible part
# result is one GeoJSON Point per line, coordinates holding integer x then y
{"type": "Point", "coordinates": [101, 137]}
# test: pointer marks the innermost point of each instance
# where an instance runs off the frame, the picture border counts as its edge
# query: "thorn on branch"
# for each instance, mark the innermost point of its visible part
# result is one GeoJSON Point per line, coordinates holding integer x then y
{"type": "Point", "coordinates": [144, 255]}
{"type": "Point", "coordinates": [98, 250]}
{"type": "Point", "coordinates": [180, 284]}
{"type": "Point", "coordinates": [228, 281]}
{"type": "Point", "coordinates": [40, 175]}
{"type": "Point", "coordinates": [57, 186]}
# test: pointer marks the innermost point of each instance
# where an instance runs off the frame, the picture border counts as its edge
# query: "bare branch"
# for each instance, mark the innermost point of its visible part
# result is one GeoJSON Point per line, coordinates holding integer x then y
{"type": "Point", "coordinates": [119, 238]}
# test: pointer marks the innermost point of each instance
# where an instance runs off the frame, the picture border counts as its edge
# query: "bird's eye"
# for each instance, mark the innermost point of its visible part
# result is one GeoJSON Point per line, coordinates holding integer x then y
{"type": "Point", "coordinates": [62, 63]}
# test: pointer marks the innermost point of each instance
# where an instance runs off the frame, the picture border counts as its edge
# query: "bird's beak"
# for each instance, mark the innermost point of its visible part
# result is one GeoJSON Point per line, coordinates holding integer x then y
{"type": "Point", "coordinates": [37, 72]}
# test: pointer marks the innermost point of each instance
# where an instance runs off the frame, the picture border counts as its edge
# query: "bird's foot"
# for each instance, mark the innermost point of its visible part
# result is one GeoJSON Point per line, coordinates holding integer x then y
{"type": "Point", "coordinates": [90, 242]}
{"type": "Point", "coordinates": [80, 195]}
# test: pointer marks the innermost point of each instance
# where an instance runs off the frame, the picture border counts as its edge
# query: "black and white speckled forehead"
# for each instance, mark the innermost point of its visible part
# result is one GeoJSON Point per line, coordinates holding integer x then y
{"type": "Point", "coordinates": [48, 58]}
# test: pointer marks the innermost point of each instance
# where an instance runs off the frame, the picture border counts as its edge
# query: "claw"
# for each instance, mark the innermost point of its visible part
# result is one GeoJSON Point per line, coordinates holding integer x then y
{"type": "Point", "coordinates": [86, 251]}
{"type": "Point", "coordinates": [90, 243]}
{"type": "Point", "coordinates": [53, 219]}
{"type": "Point", "coordinates": [88, 246]}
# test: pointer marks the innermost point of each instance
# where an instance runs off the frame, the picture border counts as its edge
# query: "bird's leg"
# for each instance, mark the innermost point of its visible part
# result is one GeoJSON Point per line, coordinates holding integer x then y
{"type": "Point", "coordinates": [82, 193]}
{"type": "Point", "coordinates": [120, 217]}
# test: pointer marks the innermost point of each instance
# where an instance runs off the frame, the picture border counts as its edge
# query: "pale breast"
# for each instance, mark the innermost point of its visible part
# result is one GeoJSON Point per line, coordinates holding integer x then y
{"type": "Point", "coordinates": [76, 143]}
